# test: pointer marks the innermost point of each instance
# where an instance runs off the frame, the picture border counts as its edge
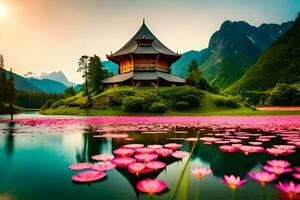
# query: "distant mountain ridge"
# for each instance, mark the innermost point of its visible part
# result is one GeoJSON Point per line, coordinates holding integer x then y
{"type": "Point", "coordinates": [47, 85]}
{"type": "Point", "coordinates": [231, 51]}
{"type": "Point", "coordinates": [180, 68]}
{"type": "Point", "coordinates": [37, 85]}
{"type": "Point", "coordinates": [58, 76]}
{"type": "Point", "coordinates": [279, 64]}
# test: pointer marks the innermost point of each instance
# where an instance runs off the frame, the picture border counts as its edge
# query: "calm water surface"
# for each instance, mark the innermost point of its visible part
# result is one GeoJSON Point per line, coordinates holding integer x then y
{"type": "Point", "coordinates": [35, 155]}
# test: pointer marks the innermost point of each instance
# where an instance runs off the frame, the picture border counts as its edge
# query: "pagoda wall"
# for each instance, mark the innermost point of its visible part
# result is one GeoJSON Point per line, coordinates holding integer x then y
{"type": "Point", "coordinates": [126, 66]}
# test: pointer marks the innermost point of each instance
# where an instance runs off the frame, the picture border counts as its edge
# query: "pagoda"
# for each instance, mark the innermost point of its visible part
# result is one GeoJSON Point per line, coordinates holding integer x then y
{"type": "Point", "coordinates": [144, 60]}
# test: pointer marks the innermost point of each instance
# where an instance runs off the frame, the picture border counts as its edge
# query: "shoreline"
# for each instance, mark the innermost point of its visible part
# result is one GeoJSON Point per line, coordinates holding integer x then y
{"type": "Point", "coordinates": [227, 112]}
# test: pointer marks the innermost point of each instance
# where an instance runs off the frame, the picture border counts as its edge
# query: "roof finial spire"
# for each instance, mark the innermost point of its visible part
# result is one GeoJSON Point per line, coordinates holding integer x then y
{"type": "Point", "coordinates": [143, 20]}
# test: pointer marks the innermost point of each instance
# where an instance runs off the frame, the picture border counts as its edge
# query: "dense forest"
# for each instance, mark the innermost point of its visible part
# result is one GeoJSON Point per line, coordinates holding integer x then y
{"type": "Point", "coordinates": [34, 99]}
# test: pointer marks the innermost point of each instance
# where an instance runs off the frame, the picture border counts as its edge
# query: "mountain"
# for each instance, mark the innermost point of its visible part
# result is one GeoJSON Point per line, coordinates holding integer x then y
{"type": "Point", "coordinates": [231, 51]}
{"type": "Point", "coordinates": [180, 68]}
{"type": "Point", "coordinates": [236, 47]}
{"type": "Point", "coordinates": [111, 67]}
{"type": "Point", "coordinates": [22, 83]}
{"type": "Point", "coordinates": [36, 85]}
{"type": "Point", "coordinates": [279, 64]}
{"type": "Point", "coordinates": [47, 85]}
{"type": "Point", "coordinates": [58, 76]}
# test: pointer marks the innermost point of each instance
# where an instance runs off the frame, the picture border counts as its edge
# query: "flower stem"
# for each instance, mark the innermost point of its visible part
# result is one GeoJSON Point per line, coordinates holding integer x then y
{"type": "Point", "coordinates": [233, 194]}
{"type": "Point", "coordinates": [183, 171]}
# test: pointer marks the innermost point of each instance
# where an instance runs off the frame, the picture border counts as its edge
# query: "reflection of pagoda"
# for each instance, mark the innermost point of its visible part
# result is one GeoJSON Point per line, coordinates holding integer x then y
{"type": "Point", "coordinates": [144, 60]}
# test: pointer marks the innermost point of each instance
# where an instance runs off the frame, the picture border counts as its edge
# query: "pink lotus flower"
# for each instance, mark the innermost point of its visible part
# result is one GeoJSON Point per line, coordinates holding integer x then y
{"type": "Point", "coordinates": [234, 182]}
{"type": "Point", "coordinates": [276, 170]}
{"type": "Point", "coordinates": [227, 148]}
{"type": "Point", "coordinates": [235, 140]}
{"type": "Point", "coordinates": [144, 150]}
{"type": "Point", "coordinates": [103, 166]}
{"type": "Point", "coordinates": [88, 176]}
{"type": "Point", "coordinates": [200, 172]}
{"type": "Point", "coordinates": [256, 143]}
{"type": "Point", "coordinates": [103, 157]}
{"type": "Point", "coordinates": [180, 154]}
{"type": "Point", "coordinates": [297, 169]}
{"type": "Point", "coordinates": [291, 189]}
{"type": "Point", "coordinates": [155, 165]}
{"type": "Point", "coordinates": [285, 147]}
{"type": "Point", "coordinates": [278, 163]}
{"type": "Point", "coordinates": [237, 145]}
{"type": "Point", "coordinates": [155, 146]}
{"type": "Point", "coordinates": [164, 152]}
{"type": "Point", "coordinates": [151, 186]}
{"type": "Point", "coordinates": [262, 177]}
{"type": "Point", "coordinates": [136, 168]}
{"type": "Point", "coordinates": [251, 149]}
{"type": "Point", "coordinates": [173, 146]}
{"type": "Point", "coordinates": [296, 175]}
{"type": "Point", "coordinates": [123, 152]}
{"type": "Point", "coordinates": [123, 162]}
{"type": "Point", "coordinates": [275, 151]}
{"type": "Point", "coordinates": [210, 139]}
{"type": "Point", "coordinates": [146, 157]}
{"type": "Point", "coordinates": [133, 146]}
{"type": "Point", "coordinates": [80, 166]}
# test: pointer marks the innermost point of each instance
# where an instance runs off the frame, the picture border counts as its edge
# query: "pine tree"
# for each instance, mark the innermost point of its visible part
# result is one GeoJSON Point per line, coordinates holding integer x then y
{"type": "Point", "coordinates": [84, 68]}
{"type": "Point", "coordinates": [193, 65]}
{"type": "Point", "coordinates": [96, 74]}
{"type": "Point", "coordinates": [11, 94]}
{"type": "Point", "coordinates": [3, 86]}
{"type": "Point", "coordinates": [69, 91]}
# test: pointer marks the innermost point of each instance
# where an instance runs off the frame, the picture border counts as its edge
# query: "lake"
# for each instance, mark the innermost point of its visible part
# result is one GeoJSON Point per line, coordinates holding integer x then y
{"type": "Point", "coordinates": [36, 152]}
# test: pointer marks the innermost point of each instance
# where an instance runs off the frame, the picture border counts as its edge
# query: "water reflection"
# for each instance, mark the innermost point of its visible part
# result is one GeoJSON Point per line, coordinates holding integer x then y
{"type": "Point", "coordinates": [10, 139]}
{"type": "Point", "coordinates": [221, 163]}
{"type": "Point", "coordinates": [46, 154]}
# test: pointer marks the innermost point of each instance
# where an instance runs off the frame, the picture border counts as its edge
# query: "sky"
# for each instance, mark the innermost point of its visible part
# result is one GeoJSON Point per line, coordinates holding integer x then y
{"type": "Point", "coordinates": [50, 35]}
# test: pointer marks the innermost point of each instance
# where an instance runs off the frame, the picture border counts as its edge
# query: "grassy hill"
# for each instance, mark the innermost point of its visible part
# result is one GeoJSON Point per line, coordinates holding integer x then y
{"type": "Point", "coordinates": [113, 100]}
{"type": "Point", "coordinates": [279, 64]}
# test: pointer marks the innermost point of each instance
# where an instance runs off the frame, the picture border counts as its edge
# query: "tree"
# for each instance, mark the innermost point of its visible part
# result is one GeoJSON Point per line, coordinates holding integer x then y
{"type": "Point", "coordinates": [96, 74]}
{"type": "Point", "coordinates": [84, 68]}
{"type": "Point", "coordinates": [69, 91]}
{"type": "Point", "coordinates": [196, 78]}
{"type": "Point", "coordinates": [3, 86]}
{"type": "Point", "coordinates": [193, 65]}
{"type": "Point", "coordinates": [11, 94]}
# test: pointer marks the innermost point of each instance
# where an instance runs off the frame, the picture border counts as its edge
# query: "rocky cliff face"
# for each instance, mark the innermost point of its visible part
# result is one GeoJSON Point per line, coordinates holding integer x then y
{"type": "Point", "coordinates": [236, 47]}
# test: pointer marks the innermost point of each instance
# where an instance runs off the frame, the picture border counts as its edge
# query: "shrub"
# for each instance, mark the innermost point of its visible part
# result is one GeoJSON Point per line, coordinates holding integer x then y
{"type": "Point", "coordinates": [133, 104]}
{"type": "Point", "coordinates": [158, 107]}
{"type": "Point", "coordinates": [148, 99]}
{"type": "Point", "coordinates": [191, 95]}
{"type": "Point", "coordinates": [228, 103]}
{"type": "Point", "coordinates": [193, 100]}
{"type": "Point", "coordinates": [296, 102]}
{"type": "Point", "coordinates": [181, 105]}
{"type": "Point", "coordinates": [117, 98]}
{"type": "Point", "coordinates": [283, 95]}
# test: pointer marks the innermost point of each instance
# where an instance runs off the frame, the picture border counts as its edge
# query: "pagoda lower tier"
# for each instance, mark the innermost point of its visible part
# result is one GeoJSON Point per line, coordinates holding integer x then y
{"type": "Point", "coordinates": [144, 78]}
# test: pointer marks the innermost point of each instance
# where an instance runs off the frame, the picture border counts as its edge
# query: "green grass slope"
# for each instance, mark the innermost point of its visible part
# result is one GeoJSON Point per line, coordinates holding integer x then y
{"type": "Point", "coordinates": [109, 102]}
{"type": "Point", "coordinates": [279, 64]}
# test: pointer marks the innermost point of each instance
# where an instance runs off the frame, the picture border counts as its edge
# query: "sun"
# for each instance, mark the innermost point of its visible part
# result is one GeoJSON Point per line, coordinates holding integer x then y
{"type": "Point", "coordinates": [3, 10]}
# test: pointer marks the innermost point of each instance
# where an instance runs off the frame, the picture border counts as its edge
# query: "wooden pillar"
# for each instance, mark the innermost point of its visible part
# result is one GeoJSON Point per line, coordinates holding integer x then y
{"type": "Point", "coordinates": [156, 62]}
{"type": "Point", "coordinates": [132, 62]}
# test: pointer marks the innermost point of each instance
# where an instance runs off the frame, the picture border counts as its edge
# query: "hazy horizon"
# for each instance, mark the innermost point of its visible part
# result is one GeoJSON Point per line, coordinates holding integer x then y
{"type": "Point", "coordinates": [46, 36]}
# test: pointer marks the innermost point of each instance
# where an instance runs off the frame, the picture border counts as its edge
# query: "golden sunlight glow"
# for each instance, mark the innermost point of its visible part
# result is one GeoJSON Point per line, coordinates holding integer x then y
{"type": "Point", "coordinates": [3, 10]}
